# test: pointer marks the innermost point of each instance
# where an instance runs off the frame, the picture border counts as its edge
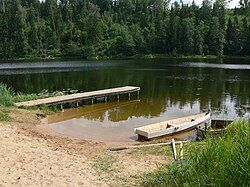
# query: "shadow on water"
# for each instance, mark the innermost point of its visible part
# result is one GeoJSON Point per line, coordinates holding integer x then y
{"type": "Point", "coordinates": [168, 90]}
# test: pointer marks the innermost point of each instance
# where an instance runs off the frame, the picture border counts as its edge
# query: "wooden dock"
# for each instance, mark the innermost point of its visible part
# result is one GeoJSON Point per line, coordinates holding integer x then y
{"type": "Point", "coordinates": [81, 96]}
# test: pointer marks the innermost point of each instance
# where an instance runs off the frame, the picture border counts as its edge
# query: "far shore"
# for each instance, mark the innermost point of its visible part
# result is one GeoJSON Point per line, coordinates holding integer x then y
{"type": "Point", "coordinates": [208, 58]}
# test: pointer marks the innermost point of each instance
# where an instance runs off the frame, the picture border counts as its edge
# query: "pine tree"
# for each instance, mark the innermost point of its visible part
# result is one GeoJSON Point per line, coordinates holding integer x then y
{"type": "Point", "coordinates": [3, 30]}
{"type": "Point", "coordinates": [187, 34]}
{"type": "Point", "coordinates": [216, 38]}
{"type": "Point", "coordinates": [232, 38]}
{"type": "Point", "coordinates": [246, 37]}
{"type": "Point", "coordinates": [174, 42]}
{"type": "Point", "coordinates": [205, 11]}
{"type": "Point", "coordinates": [16, 30]}
{"type": "Point", "coordinates": [32, 30]}
{"type": "Point", "coordinates": [199, 39]}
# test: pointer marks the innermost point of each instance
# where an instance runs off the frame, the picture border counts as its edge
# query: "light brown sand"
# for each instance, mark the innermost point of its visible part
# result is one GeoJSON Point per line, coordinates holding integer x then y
{"type": "Point", "coordinates": [29, 161]}
{"type": "Point", "coordinates": [32, 155]}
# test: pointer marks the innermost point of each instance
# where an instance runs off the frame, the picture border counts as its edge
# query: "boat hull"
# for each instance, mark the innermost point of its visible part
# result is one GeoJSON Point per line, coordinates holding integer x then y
{"type": "Point", "coordinates": [200, 122]}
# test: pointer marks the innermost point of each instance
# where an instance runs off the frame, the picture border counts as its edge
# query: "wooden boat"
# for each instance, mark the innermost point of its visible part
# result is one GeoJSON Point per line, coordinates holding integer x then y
{"type": "Point", "coordinates": [173, 126]}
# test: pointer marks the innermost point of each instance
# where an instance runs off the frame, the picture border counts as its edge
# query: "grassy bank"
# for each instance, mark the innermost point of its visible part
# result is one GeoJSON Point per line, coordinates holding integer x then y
{"type": "Point", "coordinates": [6, 94]}
{"type": "Point", "coordinates": [219, 161]}
{"type": "Point", "coordinates": [8, 98]}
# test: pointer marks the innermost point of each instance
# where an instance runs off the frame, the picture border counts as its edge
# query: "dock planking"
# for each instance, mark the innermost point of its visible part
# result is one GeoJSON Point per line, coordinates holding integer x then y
{"type": "Point", "coordinates": [79, 96]}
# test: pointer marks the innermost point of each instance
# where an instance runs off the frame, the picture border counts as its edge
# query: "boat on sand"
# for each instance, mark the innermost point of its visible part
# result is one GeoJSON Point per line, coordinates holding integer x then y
{"type": "Point", "coordinates": [174, 126]}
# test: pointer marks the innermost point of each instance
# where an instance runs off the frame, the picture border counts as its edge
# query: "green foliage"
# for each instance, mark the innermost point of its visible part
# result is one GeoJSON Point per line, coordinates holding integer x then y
{"type": "Point", "coordinates": [105, 28]}
{"type": "Point", "coordinates": [216, 38]}
{"type": "Point", "coordinates": [48, 110]}
{"type": "Point", "coordinates": [219, 161]}
{"type": "Point", "coordinates": [24, 97]}
{"type": "Point", "coordinates": [187, 33]}
{"type": "Point", "coordinates": [5, 95]}
{"type": "Point", "coordinates": [199, 39]}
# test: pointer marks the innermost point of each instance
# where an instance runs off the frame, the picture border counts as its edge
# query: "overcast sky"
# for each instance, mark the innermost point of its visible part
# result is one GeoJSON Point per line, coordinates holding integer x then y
{"type": "Point", "coordinates": [232, 4]}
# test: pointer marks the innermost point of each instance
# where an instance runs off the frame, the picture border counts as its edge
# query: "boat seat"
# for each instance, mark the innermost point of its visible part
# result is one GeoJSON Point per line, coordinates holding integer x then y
{"type": "Point", "coordinates": [168, 126]}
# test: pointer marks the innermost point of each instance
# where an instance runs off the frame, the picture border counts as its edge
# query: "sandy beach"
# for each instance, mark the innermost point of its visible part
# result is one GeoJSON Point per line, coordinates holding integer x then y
{"type": "Point", "coordinates": [30, 161]}
{"type": "Point", "coordinates": [30, 156]}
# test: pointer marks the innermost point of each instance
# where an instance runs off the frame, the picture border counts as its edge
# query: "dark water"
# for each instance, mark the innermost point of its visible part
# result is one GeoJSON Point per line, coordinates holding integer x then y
{"type": "Point", "coordinates": [168, 90]}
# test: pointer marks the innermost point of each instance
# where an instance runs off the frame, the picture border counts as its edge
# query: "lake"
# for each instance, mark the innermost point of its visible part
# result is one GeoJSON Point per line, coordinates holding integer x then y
{"type": "Point", "coordinates": [169, 89]}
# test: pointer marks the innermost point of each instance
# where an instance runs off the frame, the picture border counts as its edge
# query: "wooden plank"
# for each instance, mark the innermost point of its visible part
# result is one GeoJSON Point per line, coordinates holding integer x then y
{"type": "Point", "coordinates": [78, 96]}
{"type": "Point", "coordinates": [145, 145]}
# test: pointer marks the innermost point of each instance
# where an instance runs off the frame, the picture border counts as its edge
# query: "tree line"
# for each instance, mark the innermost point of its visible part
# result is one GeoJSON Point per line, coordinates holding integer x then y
{"type": "Point", "coordinates": [104, 28]}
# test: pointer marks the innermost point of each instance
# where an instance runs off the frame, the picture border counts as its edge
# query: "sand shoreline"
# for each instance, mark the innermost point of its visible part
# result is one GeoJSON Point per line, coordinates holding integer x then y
{"type": "Point", "coordinates": [33, 155]}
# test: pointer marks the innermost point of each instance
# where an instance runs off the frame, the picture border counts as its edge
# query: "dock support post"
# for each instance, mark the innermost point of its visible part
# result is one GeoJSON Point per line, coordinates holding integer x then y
{"type": "Point", "coordinates": [77, 104]}
{"type": "Point", "coordinates": [181, 150]}
{"type": "Point", "coordinates": [92, 101]}
{"type": "Point", "coordinates": [61, 107]}
{"type": "Point", "coordinates": [205, 128]}
{"type": "Point", "coordinates": [106, 98]}
{"type": "Point", "coordinates": [174, 149]}
{"type": "Point", "coordinates": [138, 95]}
{"type": "Point", "coordinates": [129, 96]}
{"type": "Point", "coordinates": [118, 97]}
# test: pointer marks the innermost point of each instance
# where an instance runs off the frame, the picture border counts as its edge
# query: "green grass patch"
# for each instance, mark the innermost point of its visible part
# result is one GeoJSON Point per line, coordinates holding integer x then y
{"type": "Point", "coordinates": [24, 97]}
{"type": "Point", "coordinates": [48, 110]}
{"type": "Point", "coordinates": [156, 150]}
{"type": "Point", "coordinates": [4, 116]}
{"type": "Point", "coordinates": [219, 161]}
{"type": "Point", "coordinates": [104, 164]}
{"type": "Point", "coordinates": [5, 95]}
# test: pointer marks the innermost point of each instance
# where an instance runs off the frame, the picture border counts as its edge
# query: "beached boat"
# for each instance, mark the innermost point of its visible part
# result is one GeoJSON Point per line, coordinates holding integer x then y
{"type": "Point", "coordinates": [173, 126]}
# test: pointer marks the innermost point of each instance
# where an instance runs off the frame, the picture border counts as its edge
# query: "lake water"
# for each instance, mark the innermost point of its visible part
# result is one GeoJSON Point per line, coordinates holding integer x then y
{"type": "Point", "coordinates": [169, 89]}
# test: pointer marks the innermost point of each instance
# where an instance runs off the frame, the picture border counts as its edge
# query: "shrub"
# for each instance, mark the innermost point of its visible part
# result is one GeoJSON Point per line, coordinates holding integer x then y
{"type": "Point", "coordinates": [5, 95]}
{"type": "Point", "coordinates": [24, 97]}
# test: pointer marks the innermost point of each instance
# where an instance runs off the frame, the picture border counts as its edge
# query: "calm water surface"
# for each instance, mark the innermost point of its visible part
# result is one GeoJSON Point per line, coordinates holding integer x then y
{"type": "Point", "coordinates": [168, 90]}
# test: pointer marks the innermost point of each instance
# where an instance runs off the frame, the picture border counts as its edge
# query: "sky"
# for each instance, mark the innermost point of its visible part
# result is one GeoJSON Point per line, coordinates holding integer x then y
{"type": "Point", "coordinates": [232, 4]}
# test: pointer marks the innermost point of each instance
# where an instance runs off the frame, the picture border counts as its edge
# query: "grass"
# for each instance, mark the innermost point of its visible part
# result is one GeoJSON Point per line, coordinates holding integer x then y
{"type": "Point", "coordinates": [157, 150]}
{"type": "Point", "coordinates": [48, 110]}
{"type": "Point", "coordinates": [104, 164]}
{"type": "Point", "coordinates": [24, 97]}
{"type": "Point", "coordinates": [8, 98]}
{"type": "Point", "coordinates": [5, 96]}
{"type": "Point", "coordinates": [4, 115]}
{"type": "Point", "coordinates": [219, 161]}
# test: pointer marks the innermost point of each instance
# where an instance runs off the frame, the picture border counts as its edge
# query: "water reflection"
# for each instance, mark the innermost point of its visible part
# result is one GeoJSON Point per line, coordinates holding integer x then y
{"type": "Point", "coordinates": [168, 90]}
{"type": "Point", "coordinates": [116, 121]}
{"type": "Point", "coordinates": [213, 65]}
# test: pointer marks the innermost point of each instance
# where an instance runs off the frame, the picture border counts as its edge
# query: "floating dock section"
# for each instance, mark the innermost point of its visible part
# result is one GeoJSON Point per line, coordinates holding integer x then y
{"type": "Point", "coordinates": [81, 96]}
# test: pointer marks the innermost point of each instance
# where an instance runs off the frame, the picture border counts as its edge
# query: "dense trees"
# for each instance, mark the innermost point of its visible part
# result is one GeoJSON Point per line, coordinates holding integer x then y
{"type": "Point", "coordinates": [97, 28]}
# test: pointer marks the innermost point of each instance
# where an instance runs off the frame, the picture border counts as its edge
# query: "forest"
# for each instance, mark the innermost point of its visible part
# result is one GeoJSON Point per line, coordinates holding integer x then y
{"type": "Point", "coordinates": [121, 28]}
